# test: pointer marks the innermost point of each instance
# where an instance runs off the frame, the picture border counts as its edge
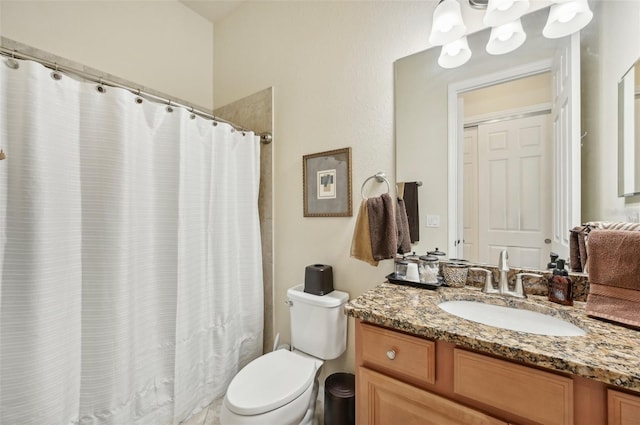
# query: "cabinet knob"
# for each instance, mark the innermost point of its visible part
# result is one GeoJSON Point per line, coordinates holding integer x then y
{"type": "Point", "coordinates": [391, 354]}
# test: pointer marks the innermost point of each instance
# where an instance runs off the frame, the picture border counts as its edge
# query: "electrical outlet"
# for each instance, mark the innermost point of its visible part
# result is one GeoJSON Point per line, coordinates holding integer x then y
{"type": "Point", "coordinates": [433, 221]}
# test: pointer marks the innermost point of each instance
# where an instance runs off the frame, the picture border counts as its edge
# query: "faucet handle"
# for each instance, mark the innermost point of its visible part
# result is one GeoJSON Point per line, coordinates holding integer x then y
{"type": "Point", "coordinates": [519, 289]}
{"type": "Point", "coordinates": [488, 282]}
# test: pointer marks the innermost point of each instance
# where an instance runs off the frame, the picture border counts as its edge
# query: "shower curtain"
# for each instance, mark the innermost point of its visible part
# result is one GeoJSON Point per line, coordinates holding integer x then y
{"type": "Point", "coordinates": [130, 259]}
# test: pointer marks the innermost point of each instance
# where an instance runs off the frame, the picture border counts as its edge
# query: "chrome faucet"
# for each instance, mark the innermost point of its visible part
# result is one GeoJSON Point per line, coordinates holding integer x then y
{"type": "Point", "coordinates": [503, 281]}
{"type": "Point", "coordinates": [503, 268]}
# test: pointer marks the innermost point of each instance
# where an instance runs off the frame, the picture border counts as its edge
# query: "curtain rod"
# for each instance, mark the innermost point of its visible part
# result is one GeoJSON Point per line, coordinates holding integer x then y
{"type": "Point", "coordinates": [265, 138]}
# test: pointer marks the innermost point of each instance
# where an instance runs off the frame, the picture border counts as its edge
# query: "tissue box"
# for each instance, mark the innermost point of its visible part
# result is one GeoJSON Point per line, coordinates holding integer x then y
{"type": "Point", "coordinates": [318, 279]}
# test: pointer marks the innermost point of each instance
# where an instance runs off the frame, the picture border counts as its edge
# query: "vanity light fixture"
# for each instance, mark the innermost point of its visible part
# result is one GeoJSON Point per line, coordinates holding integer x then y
{"type": "Point", "coordinates": [506, 38]}
{"type": "Point", "coordinates": [503, 16]}
{"type": "Point", "coordinates": [447, 23]}
{"type": "Point", "coordinates": [567, 17]}
{"type": "Point", "coordinates": [455, 54]}
{"type": "Point", "coordinates": [500, 12]}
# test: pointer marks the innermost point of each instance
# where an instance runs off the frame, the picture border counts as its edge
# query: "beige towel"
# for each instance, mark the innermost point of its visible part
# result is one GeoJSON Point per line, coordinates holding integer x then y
{"type": "Point", "coordinates": [400, 190]}
{"type": "Point", "coordinates": [578, 248]}
{"type": "Point", "coordinates": [382, 227]}
{"type": "Point", "coordinates": [614, 275]}
{"type": "Point", "coordinates": [361, 242]}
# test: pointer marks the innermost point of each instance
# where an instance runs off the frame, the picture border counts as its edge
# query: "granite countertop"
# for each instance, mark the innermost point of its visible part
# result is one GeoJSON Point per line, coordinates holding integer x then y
{"type": "Point", "coordinates": [607, 353]}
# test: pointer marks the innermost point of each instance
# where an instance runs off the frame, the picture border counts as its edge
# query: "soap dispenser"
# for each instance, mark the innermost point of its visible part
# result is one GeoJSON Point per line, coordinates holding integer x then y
{"type": "Point", "coordinates": [560, 285]}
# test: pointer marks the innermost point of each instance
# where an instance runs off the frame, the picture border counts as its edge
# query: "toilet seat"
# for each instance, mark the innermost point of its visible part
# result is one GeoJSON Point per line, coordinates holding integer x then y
{"type": "Point", "coordinates": [269, 382]}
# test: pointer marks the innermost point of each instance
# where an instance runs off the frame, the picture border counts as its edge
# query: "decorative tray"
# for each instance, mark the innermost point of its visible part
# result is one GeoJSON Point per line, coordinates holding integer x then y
{"type": "Point", "coordinates": [401, 281]}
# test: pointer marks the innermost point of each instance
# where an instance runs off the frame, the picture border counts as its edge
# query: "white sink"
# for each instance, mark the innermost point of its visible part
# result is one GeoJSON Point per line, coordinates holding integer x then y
{"type": "Point", "coordinates": [514, 319]}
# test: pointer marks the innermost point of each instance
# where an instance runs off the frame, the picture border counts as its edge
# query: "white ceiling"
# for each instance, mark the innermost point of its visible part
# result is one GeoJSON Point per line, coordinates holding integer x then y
{"type": "Point", "coordinates": [212, 10]}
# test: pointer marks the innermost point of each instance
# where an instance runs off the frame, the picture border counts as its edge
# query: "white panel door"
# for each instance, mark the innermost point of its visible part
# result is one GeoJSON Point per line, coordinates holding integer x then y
{"type": "Point", "coordinates": [514, 193]}
{"type": "Point", "coordinates": [566, 152]}
{"type": "Point", "coordinates": [470, 190]}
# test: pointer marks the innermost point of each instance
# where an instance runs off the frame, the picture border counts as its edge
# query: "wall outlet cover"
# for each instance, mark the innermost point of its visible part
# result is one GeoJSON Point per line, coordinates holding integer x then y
{"type": "Point", "coordinates": [433, 221]}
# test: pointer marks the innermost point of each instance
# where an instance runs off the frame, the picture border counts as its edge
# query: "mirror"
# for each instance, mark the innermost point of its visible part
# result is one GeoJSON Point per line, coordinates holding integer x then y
{"type": "Point", "coordinates": [608, 46]}
{"type": "Point", "coordinates": [471, 96]}
{"type": "Point", "coordinates": [629, 132]}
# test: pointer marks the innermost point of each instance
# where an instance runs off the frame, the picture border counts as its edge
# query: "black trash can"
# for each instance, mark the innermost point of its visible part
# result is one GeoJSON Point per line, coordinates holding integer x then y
{"type": "Point", "coordinates": [340, 399]}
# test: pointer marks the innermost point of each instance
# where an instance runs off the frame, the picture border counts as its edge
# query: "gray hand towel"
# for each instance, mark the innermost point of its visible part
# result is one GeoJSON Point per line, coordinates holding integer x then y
{"type": "Point", "coordinates": [402, 223]}
{"type": "Point", "coordinates": [411, 205]}
{"type": "Point", "coordinates": [382, 227]}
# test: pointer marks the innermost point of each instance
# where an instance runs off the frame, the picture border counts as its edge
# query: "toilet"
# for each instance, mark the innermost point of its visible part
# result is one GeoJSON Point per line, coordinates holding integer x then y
{"type": "Point", "coordinates": [281, 387]}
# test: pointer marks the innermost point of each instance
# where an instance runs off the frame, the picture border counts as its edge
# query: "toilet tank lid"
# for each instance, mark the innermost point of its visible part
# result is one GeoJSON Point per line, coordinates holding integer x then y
{"type": "Point", "coordinates": [332, 299]}
{"type": "Point", "coordinates": [270, 381]}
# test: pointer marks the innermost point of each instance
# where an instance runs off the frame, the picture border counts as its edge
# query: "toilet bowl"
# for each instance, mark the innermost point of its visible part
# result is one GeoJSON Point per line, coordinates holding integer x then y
{"type": "Point", "coordinates": [281, 387]}
{"type": "Point", "coordinates": [276, 388]}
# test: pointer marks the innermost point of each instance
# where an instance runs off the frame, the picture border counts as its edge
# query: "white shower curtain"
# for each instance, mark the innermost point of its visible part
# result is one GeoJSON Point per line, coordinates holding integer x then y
{"type": "Point", "coordinates": [130, 259]}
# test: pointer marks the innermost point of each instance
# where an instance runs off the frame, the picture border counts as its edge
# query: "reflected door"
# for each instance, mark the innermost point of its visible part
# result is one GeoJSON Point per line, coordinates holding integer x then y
{"type": "Point", "coordinates": [470, 200]}
{"type": "Point", "coordinates": [514, 190]}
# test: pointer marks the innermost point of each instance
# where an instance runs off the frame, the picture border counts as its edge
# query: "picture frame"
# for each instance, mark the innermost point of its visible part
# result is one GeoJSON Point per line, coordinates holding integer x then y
{"type": "Point", "coordinates": [326, 184]}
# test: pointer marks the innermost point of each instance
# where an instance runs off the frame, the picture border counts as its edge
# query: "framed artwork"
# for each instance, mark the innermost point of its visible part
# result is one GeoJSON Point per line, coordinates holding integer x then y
{"type": "Point", "coordinates": [326, 186]}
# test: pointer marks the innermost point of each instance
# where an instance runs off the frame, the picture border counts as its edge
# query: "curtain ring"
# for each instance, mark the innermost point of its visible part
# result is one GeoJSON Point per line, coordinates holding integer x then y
{"type": "Point", "coordinates": [169, 108]}
{"type": "Point", "coordinates": [55, 74]}
{"type": "Point", "coordinates": [100, 87]}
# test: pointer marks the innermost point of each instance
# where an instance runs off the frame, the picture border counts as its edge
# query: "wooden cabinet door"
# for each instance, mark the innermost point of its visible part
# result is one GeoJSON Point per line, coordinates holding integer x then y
{"type": "Point", "coordinates": [381, 400]}
{"type": "Point", "coordinates": [624, 409]}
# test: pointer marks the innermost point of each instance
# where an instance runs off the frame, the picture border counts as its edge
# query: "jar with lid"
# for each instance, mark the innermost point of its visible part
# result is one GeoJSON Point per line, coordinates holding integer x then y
{"type": "Point", "coordinates": [413, 268]}
{"type": "Point", "coordinates": [429, 268]}
{"type": "Point", "coordinates": [401, 267]}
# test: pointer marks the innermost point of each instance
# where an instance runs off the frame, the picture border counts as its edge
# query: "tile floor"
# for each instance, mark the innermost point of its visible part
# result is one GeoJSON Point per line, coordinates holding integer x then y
{"type": "Point", "coordinates": [211, 414]}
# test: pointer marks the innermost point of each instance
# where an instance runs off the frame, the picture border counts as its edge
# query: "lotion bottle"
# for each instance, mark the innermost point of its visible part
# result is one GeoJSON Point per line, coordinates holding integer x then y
{"type": "Point", "coordinates": [560, 285]}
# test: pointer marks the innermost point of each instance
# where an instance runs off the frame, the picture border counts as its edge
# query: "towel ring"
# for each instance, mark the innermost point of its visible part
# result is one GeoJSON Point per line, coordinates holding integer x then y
{"type": "Point", "coordinates": [380, 177]}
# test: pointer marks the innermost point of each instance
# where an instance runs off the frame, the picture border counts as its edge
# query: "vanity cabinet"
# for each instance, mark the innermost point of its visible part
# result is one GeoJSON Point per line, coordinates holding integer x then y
{"type": "Point", "coordinates": [384, 400]}
{"type": "Point", "coordinates": [393, 370]}
{"type": "Point", "coordinates": [623, 408]}
{"type": "Point", "coordinates": [402, 378]}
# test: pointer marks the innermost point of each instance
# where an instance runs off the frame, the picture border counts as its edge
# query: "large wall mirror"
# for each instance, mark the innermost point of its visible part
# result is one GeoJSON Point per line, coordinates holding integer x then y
{"type": "Point", "coordinates": [481, 105]}
{"type": "Point", "coordinates": [629, 132]}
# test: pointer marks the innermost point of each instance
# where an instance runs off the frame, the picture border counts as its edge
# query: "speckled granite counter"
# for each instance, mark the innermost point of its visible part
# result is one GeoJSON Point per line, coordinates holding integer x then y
{"type": "Point", "coordinates": [607, 353]}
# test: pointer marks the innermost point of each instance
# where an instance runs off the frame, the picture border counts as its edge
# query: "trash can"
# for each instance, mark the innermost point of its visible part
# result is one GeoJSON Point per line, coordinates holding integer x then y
{"type": "Point", "coordinates": [340, 399]}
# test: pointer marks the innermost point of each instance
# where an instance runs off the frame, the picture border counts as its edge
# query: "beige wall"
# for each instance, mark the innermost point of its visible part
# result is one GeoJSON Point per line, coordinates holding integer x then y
{"type": "Point", "coordinates": [330, 65]}
{"type": "Point", "coordinates": [534, 90]}
{"type": "Point", "coordinates": [162, 45]}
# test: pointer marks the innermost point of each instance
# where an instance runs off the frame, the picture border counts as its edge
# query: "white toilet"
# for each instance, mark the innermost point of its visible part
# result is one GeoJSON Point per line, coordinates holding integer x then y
{"type": "Point", "coordinates": [281, 387]}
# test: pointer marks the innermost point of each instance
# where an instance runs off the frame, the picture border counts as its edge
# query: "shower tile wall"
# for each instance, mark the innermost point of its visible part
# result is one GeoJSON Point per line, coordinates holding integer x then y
{"type": "Point", "coordinates": [256, 112]}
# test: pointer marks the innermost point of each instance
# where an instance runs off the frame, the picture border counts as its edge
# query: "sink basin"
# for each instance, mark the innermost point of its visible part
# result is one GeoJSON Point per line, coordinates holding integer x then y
{"type": "Point", "coordinates": [514, 319]}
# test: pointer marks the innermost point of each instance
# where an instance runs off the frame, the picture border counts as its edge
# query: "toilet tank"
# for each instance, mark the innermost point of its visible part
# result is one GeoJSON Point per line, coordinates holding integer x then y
{"type": "Point", "coordinates": [318, 322]}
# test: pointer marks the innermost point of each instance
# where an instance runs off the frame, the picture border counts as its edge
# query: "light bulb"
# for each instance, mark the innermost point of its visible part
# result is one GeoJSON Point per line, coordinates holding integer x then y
{"type": "Point", "coordinates": [505, 35]}
{"type": "Point", "coordinates": [445, 25]}
{"type": "Point", "coordinates": [505, 5]}
{"type": "Point", "coordinates": [453, 49]}
{"type": "Point", "coordinates": [567, 16]}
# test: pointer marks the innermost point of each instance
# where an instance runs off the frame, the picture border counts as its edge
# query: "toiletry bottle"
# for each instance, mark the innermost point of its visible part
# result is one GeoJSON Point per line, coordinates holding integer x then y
{"type": "Point", "coordinates": [560, 285]}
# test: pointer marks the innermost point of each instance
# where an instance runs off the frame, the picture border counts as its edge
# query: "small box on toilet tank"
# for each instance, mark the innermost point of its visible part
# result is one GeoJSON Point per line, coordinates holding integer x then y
{"type": "Point", "coordinates": [318, 279]}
